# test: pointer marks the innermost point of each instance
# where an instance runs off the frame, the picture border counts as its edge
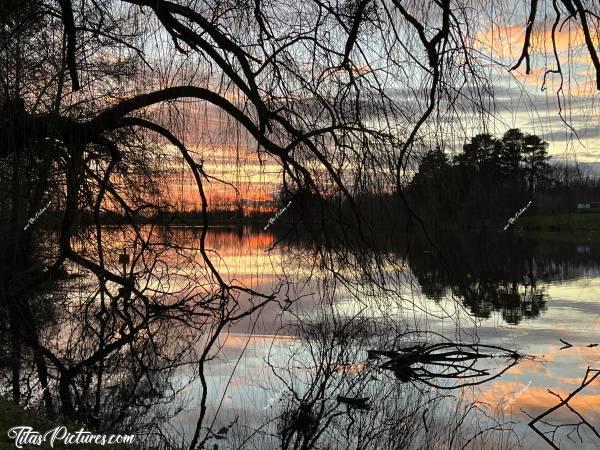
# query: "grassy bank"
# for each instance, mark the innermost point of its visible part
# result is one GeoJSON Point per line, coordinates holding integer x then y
{"type": "Point", "coordinates": [561, 222]}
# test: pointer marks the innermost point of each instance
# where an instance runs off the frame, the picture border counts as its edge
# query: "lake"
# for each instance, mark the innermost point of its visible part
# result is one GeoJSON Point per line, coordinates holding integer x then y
{"type": "Point", "coordinates": [301, 371]}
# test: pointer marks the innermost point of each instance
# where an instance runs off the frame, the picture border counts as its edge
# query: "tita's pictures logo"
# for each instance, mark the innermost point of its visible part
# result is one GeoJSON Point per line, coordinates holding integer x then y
{"type": "Point", "coordinates": [24, 435]}
{"type": "Point", "coordinates": [34, 219]}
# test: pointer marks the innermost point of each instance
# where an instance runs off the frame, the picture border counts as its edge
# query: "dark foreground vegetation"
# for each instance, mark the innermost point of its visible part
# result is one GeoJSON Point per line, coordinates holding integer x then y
{"type": "Point", "coordinates": [102, 102]}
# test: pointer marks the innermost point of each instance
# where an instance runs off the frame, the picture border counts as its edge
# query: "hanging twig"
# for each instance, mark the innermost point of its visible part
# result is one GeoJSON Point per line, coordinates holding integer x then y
{"type": "Point", "coordinates": [590, 376]}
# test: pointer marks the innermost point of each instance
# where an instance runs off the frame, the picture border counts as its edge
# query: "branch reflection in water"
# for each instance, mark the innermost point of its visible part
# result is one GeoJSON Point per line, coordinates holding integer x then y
{"type": "Point", "coordinates": [343, 366]}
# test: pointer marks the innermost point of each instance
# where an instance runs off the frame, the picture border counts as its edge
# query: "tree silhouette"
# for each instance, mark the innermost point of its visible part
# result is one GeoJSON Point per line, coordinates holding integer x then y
{"type": "Point", "coordinates": [481, 155]}
{"type": "Point", "coordinates": [101, 98]}
{"type": "Point", "coordinates": [512, 151]}
{"type": "Point", "coordinates": [488, 171]}
{"type": "Point", "coordinates": [535, 161]}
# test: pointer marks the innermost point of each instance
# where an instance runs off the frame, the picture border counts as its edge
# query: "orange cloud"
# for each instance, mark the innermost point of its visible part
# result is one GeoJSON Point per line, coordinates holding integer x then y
{"type": "Point", "coordinates": [505, 44]}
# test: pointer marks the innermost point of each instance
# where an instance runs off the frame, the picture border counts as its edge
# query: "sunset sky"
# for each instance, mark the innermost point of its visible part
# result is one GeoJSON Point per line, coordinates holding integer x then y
{"type": "Point", "coordinates": [523, 101]}
{"type": "Point", "coordinates": [514, 100]}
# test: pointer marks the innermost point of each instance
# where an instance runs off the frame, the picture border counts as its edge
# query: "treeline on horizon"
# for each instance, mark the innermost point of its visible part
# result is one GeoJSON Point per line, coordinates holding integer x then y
{"type": "Point", "coordinates": [482, 186]}
{"type": "Point", "coordinates": [485, 184]}
{"type": "Point", "coordinates": [493, 178]}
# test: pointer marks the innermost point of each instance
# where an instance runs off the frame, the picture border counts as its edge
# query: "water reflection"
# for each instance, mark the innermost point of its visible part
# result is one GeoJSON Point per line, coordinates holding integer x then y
{"type": "Point", "coordinates": [514, 277]}
{"type": "Point", "coordinates": [487, 275]}
{"type": "Point", "coordinates": [299, 372]}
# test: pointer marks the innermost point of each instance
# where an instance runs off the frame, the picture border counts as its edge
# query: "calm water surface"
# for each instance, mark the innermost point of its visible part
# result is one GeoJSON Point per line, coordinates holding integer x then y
{"type": "Point", "coordinates": [516, 292]}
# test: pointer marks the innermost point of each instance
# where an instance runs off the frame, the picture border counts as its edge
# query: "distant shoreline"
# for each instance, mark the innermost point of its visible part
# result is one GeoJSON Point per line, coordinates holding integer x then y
{"type": "Point", "coordinates": [563, 222]}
